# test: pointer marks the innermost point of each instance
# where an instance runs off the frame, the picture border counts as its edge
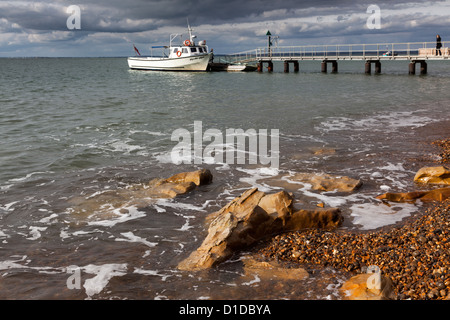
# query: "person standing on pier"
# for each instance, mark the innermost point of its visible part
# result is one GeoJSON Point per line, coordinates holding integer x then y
{"type": "Point", "coordinates": [438, 45]}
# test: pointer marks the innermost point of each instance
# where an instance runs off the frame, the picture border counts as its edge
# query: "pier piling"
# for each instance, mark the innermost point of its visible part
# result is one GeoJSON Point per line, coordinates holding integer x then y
{"type": "Point", "coordinates": [368, 66]}
{"type": "Point", "coordinates": [334, 66]}
{"type": "Point", "coordinates": [423, 67]}
{"type": "Point", "coordinates": [260, 65]}
{"type": "Point", "coordinates": [294, 62]}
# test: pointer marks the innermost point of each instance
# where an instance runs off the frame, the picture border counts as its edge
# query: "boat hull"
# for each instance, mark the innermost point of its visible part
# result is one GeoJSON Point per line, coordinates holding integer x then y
{"type": "Point", "coordinates": [191, 63]}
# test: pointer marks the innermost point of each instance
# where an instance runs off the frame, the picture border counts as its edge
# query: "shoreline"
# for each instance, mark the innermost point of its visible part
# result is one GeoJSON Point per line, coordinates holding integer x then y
{"type": "Point", "coordinates": [414, 253]}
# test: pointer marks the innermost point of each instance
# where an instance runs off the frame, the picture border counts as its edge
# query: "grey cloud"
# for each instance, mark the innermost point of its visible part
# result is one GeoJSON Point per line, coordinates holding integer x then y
{"type": "Point", "coordinates": [118, 16]}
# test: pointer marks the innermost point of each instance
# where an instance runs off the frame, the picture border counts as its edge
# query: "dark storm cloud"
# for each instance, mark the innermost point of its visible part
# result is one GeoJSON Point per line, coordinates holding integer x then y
{"type": "Point", "coordinates": [111, 25]}
{"type": "Point", "coordinates": [140, 15]}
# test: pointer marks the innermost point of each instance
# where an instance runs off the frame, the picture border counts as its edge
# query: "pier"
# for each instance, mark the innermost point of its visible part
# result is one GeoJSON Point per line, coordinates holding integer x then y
{"type": "Point", "coordinates": [370, 54]}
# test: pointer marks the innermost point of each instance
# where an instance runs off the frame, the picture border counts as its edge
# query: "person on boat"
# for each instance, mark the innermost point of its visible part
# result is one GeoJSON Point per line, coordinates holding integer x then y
{"type": "Point", "coordinates": [438, 45]}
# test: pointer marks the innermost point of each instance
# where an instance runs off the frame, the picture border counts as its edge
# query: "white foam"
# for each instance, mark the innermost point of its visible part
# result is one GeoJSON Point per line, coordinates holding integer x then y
{"type": "Point", "coordinates": [133, 238]}
{"type": "Point", "coordinates": [375, 215]}
{"type": "Point", "coordinates": [252, 282]}
{"type": "Point", "coordinates": [123, 146]}
{"type": "Point", "coordinates": [259, 174]}
{"type": "Point", "coordinates": [131, 213]}
{"type": "Point", "coordinates": [389, 121]}
{"type": "Point", "coordinates": [27, 176]}
{"type": "Point", "coordinates": [153, 133]}
{"type": "Point", "coordinates": [178, 205]}
{"type": "Point", "coordinates": [49, 218]}
{"type": "Point", "coordinates": [393, 167]}
{"type": "Point", "coordinates": [12, 264]}
{"type": "Point", "coordinates": [36, 232]}
{"type": "Point", "coordinates": [7, 207]}
{"type": "Point", "coordinates": [151, 273]}
{"type": "Point", "coordinates": [103, 273]}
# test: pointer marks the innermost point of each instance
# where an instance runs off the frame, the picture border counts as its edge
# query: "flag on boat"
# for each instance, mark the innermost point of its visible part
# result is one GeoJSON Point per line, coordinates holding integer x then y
{"type": "Point", "coordinates": [135, 49]}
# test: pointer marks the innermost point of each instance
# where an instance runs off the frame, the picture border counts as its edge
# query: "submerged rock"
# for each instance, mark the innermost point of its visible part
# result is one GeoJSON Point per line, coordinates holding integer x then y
{"type": "Point", "coordinates": [433, 175]}
{"type": "Point", "coordinates": [111, 203]}
{"type": "Point", "coordinates": [327, 182]}
{"type": "Point", "coordinates": [272, 271]}
{"type": "Point", "coordinates": [249, 218]}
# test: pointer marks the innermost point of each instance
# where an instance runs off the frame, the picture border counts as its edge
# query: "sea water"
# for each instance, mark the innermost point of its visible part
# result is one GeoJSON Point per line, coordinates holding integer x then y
{"type": "Point", "coordinates": [75, 129]}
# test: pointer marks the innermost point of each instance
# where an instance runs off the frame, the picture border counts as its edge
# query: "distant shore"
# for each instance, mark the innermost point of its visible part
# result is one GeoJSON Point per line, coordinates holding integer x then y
{"type": "Point", "coordinates": [414, 254]}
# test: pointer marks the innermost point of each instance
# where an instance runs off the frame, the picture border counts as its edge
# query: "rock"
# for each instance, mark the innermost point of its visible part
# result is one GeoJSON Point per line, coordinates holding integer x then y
{"type": "Point", "coordinates": [106, 205]}
{"type": "Point", "coordinates": [323, 151]}
{"type": "Point", "coordinates": [199, 177]}
{"type": "Point", "coordinates": [433, 195]}
{"type": "Point", "coordinates": [249, 218]}
{"type": "Point", "coordinates": [272, 271]}
{"type": "Point", "coordinates": [356, 288]}
{"type": "Point", "coordinates": [433, 175]}
{"type": "Point", "coordinates": [327, 219]}
{"type": "Point", "coordinates": [170, 189]}
{"type": "Point", "coordinates": [326, 182]}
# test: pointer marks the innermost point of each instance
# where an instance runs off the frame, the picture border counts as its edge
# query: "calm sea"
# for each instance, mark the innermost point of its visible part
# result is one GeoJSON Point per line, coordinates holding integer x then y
{"type": "Point", "coordinates": [72, 129]}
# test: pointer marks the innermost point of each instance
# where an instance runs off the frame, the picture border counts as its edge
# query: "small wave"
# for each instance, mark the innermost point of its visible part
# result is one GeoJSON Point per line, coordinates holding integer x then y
{"type": "Point", "coordinates": [121, 215]}
{"type": "Point", "coordinates": [391, 121]}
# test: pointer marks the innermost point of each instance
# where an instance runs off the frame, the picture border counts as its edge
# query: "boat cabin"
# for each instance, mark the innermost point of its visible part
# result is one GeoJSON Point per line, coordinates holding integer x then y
{"type": "Point", "coordinates": [188, 49]}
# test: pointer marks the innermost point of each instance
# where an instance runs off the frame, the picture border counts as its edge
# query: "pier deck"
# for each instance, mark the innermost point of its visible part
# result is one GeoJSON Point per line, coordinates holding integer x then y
{"type": "Point", "coordinates": [418, 52]}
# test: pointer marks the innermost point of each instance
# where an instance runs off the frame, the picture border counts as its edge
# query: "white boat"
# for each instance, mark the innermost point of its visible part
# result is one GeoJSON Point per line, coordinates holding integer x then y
{"type": "Point", "coordinates": [230, 67]}
{"type": "Point", "coordinates": [184, 56]}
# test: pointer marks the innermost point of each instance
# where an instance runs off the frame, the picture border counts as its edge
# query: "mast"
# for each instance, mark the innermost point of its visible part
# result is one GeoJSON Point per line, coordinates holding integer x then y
{"type": "Point", "coordinates": [191, 36]}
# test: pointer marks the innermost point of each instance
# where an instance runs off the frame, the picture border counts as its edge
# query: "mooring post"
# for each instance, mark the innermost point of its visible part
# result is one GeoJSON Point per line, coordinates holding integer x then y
{"type": "Point", "coordinates": [296, 66]}
{"type": "Point", "coordinates": [270, 67]}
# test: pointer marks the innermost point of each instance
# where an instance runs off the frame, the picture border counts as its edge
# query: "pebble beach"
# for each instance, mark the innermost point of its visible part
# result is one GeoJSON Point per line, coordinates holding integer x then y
{"type": "Point", "coordinates": [415, 254]}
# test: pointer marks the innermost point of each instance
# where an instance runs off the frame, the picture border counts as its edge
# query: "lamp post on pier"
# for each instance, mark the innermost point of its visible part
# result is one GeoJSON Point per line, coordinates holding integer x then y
{"type": "Point", "coordinates": [269, 35]}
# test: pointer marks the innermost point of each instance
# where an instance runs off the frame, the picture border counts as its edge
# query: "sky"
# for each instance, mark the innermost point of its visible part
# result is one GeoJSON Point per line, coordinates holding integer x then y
{"type": "Point", "coordinates": [110, 28]}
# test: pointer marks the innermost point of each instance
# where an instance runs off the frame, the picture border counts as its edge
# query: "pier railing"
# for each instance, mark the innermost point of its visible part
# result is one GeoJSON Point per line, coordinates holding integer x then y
{"type": "Point", "coordinates": [378, 51]}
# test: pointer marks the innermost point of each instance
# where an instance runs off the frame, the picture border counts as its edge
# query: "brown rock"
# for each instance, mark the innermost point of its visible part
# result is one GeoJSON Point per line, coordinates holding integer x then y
{"type": "Point", "coordinates": [433, 175]}
{"type": "Point", "coordinates": [199, 177]}
{"type": "Point", "coordinates": [357, 288]}
{"type": "Point", "coordinates": [326, 182]}
{"type": "Point", "coordinates": [433, 195]}
{"type": "Point", "coordinates": [329, 218]}
{"type": "Point", "coordinates": [247, 219]}
{"type": "Point", "coordinates": [171, 190]}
